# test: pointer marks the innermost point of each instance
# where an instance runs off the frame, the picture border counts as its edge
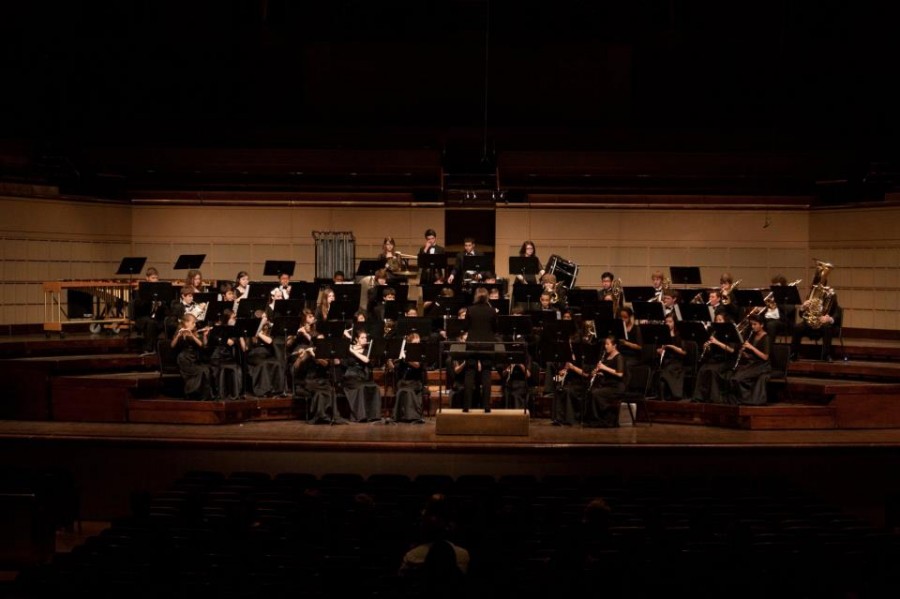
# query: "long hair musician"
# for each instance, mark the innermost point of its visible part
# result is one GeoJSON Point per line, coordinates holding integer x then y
{"type": "Point", "coordinates": [606, 384]}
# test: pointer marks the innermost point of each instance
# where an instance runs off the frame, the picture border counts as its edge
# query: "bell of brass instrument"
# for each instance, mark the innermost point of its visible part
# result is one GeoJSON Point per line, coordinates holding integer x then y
{"type": "Point", "coordinates": [616, 292]}
{"type": "Point", "coordinates": [666, 285]}
{"type": "Point", "coordinates": [820, 295]}
{"type": "Point", "coordinates": [698, 299]}
{"type": "Point", "coordinates": [726, 295]}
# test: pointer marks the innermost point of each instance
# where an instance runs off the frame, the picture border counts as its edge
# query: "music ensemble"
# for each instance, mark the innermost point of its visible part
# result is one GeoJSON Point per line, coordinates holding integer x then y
{"type": "Point", "coordinates": [534, 335]}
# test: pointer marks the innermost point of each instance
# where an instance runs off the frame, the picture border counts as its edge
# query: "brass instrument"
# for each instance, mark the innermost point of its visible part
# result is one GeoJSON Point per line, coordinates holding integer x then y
{"type": "Point", "coordinates": [820, 296]}
{"type": "Point", "coordinates": [666, 285]}
{"type": "Point", "coordinates": [698, 299]}
{"type": "Point", "coordinates": [616, 292]}
{"type": "Point", "coordinates": [726, 295]}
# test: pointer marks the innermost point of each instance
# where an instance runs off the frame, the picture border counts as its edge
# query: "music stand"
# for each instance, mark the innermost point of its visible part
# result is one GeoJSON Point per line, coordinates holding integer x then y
{"type": "Point", "coordinates": [650, 311]}
{"type": "Point", "coordinates": [514, 327]}
{"type": "Point", "coordinates": [349, 292]}
{"type": "Point", "coordinates": [602, 310]}
{"type": "Point", "coordinates": [432, 291]}
{"type": "Point", "coordinates": [204, 297]}
{"type": "Point", "coordinates": [419, 324]}
{"type": "Point", "coordinates": [367, 268]}
{"type": "Point", "coordinates": [259, 290]}
{"type": "Point", "coordinates": [391, 310]}
{"type": "Point", "coordinates": [248, 307]}
{"type": "Point", "coordinates": [655, 334]}
{"type": "Point", "coordinates": [131, 266]}
{"type": "Point", "coordinates": [695, 312]}
{"type": "Point", "coordinates": [456, 326]}
{"type": "Point", "coordinates": [638, 293]}
{"type": "Point", "coordinates": [333, 328]}
{"type": "Point", "coordinates": [727, 333]}
{"type": "Point", "coordinates": [555, 351]}
{"type": "Point", "coordinates": [524, 265]}
{"type": "Point", "coordinates": [276, 268]}
{"type": "Point", "coordinates": [247, 327]}
{"type": "Point", "coordinates": [558, 329]}
{"type": "Point", "coordinates": [786, 295]}
{"type": "Point", "coordinates": [401, 293]}
{"type": "Point", "coordinates": [582, 297]}
{"type": "Point", "coordinates": [539, 318]}
{"type": "Point", "coordinates": [692, 330]}
{"type": "Point", "coordinates": [289, 307]}
{"type": "Point", "coordinates": [189, 261]}
{"type": "Point", "coordinates": [332, 349]}
{"type": "Point", "coordinates": [482, 263]}
{"type": "Point", "coordinates": [527, 293]}
{"type": "Point", "coordinates": [306, 291]}
{"type": "Point", "coordinates": [342, 309]}
{"type": "Point", "coordinates": [431, 262]}
{"type": "Point", "coordinates": [156, 292]}
{"type": "Point", "coordinates": [609, 326]}
{"type": "Point", "coordinates": [747, 298]}
{"type": "Point", "coordinates": [685, 275]}
{"type": "Point", "coordinates": [449, 306]}
{"type": "Point", "coordinates": [215, 308]}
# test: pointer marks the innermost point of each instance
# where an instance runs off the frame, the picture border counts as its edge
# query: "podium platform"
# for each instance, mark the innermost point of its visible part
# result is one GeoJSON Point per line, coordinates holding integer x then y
{"type": "Point", "coordinates": [476, 422]}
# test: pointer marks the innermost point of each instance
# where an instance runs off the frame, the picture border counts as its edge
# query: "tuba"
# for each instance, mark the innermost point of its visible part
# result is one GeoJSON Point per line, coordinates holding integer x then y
{"type": "Point", "coordinates": [820, 295]}
{"type": "Point", "coordinates": [616, 292]}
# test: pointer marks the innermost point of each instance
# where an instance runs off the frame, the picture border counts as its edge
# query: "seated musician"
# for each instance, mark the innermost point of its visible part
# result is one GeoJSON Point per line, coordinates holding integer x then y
{"type": "Point", "coordinates": [555, 290]}
{"type": "Point", "coordinates": [825, 325]}
{"type": "Point", "coordinates": [363, 395]}
{"type": "Point", "coordinates": [747, 385]}
{"type": "Point", "coordinates": [606, 287]}
{"type": "Point", "coordinates": [631, 346]}
{"type": "Point", "coordinates": [196, 373]}
{"type": "Point", "coordinates": [195, 280]}
{"type": "Point", "coordinates": [726, 295]}
{"type": "Point", "coordinates": [149, 316]}
{"type": "Point", "coordinates": [265, 369]}
{"type": "Point", "coordinates": [779, 317]}
{"type": "Point", "coordinates": [515, 378]}
{"type": "Point", "coordinates": [242, 285]}
{"type": "Point", "coordinates": [389, 257]}
{"type": "Point", "coordinates": [299, 346]}
{"type": "Point", "coordinates": [670, 369]}
{"type": "Point", "coordinates": [656, 280]}
{"type": "Point", "coordinates": [338, 276]}
{"type": "Point", "coordinates": [180, 306]}
{"type": "Point", "coordinates": [606, 385]}
{"type": "Point", "coordinates": [670, 304]}
{"type": "Point", "coordinates": [284, 285]}
{"type": "Point", "coordinates": [570, 385]}
{"type": "Point", "coordinates": [323, 303]}
{"type": "Point", "coordinates": [716, 361]}
{"type": "Point", "coordinates": [716, 306]}
{"type": "Point", "coordinates": [223, 358]}
{"type": "Point", "coordinates": [410, 377]}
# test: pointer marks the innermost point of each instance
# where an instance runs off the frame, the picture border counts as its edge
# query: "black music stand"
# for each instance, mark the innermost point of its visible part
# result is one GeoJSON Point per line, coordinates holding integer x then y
{"type": "Point", "coordinates": [554, 351]}
{"type": "Point", "coordinates": [259, 290]}
{"type": "Point", "coordinates": [527, 293]}
{"type": "Point", "coordinates": [582, 297]}
{"type": "Point", "coordinates": [539, 318]}
{"type": "Point", "coordinates": [419, 324]}
{"type": "Point", "coordinates": [638, 294]}
{"type": "Point", "coordinates": [448, 306]}
{"type": "Point", "coordinates": [432, 291]}
{"type": "Point", "coordinates": [685, 275]}
{"type": "Point", "coordinates": [655, 334]}
{"type": "Point", "coordinates": [391, 310]}
{"type": "Point", "coordinates": [131, 266]}
{"type": "Point", "coordinates": [786, 295]}
{"type": "Point", "coordinates": [331, 349]}
{"type": "Point", "coordinates": [215, 308]}
{"type": "Point", "coordinates": [276, 268]}
{"type": "Point", "coordinates": [749, 298]}
{"type": "Point", "coordinates": [367, 268]}
{"type": "Point", "coordinates": [601, 310]}
{"type": "Point", "coordinates": [558, 329]}
{"type": "Point", "coordinates": [727, 333]}
{"type": "Point", "coordinates": [282, 328]}
{"type": "Point", "coordinates": [431, 263]}
{"type": "Point", "coordinates": [342, 309]}
{"type": "Point", "coordinates": [514, 327]}
{"type": "Point", "coordinates": [306, 291]}
{"type": "Point", "coordinates": [524, 265]}
{"type": "Point", "coordinates": [482, 263]}
{"type": "Point", "coordinates": [348, 292]}
{"type": "Point", "coordinates": [289, 307]}
{"type": "Point", "coordinates": [248, 307]}
{"type": "Point", "coordinates": [401, 294]}
{"type": "Point", "coordinates": [189, 261]}
{"type": "Point", "coordinates": [692, 330]}
{"type": "Point", "coordinates": [247, 327]}
{"type": "Point", "coordinates": [695, 312]}
{"type": "Point", "coordinates": [609, 326]}
{"type": "Point", "coordinates": [648, 311]}
{"type": "Point", "coordinates": [455, 327]}
{"type": "Point", "coordinates": [332, 329]}
{"type": "Point", "coordinates": [156, 292]}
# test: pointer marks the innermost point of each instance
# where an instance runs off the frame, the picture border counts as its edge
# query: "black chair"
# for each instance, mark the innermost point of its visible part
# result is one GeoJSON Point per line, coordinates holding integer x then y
{"type": "Point", "coordinates": [779, 358]}
{"type": "Point", "coordinates": [690, 367]}
{"type": "Point", "coordinates": [837, 332]}
{"type": "Point", "coordinates": [169, 373]}
{"type": "Point", "coordinates": [637, 380]}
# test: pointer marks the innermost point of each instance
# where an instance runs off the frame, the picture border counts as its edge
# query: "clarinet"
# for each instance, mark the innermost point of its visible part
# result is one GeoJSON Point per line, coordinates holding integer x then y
{"type": "Point", "coordinates": [597, 370]}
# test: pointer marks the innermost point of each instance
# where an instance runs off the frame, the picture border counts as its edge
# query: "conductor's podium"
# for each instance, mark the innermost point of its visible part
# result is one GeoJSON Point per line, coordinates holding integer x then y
{"type": "Point", "coordinates": [477, 421]}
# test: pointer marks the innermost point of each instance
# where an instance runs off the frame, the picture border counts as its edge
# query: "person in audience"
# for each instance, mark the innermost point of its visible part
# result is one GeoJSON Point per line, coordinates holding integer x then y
{"type": "Point", "coordinates": [435, 526]}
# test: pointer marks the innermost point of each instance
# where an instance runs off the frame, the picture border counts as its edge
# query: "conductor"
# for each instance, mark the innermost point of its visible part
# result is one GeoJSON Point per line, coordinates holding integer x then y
{"type": "Point", "coordinates": [480, 320]}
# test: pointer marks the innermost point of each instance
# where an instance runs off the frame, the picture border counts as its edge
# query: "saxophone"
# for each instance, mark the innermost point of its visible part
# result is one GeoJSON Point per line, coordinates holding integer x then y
{"type": "Point", "coordinates": [820, 295]}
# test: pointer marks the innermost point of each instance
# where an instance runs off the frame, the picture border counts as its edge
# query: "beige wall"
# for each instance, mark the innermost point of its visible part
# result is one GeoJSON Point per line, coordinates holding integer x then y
{"type": "Point", "coordinates": [47, 240]}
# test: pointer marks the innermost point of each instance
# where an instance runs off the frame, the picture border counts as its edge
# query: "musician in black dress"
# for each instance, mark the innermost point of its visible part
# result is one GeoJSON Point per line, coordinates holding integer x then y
{"type": "Point", "coordinates": [223, 358]}
{"type": "Point", "coordinates": [149, 315]}
{"type": "Point", "coordinates": [748, 384]}
{"type": "Point", "coordinates": [529, 252]}
{"type": "Point", "coordinates": [631, 345]}
{"type": "Point", "coordinates": [515, 377]}
{"type": "Point", "coordinates": [196, 374]}
{"type": "Point", "coordinates": [363, 395]}
{"type": "Point", "coordinates": [606, 386]}
{"type": "Point", "coordinates": [716, 360]}
{"type": "Point", "coordinates": [671, 363]}
{"type": "Point", "coordinates": [410, 377]}
{"type": "Point", "coordinates": [480, 320]}
{"type": "Point", "coordinates": [265, 369]}
{"type": "Point", "coordinates": [570, 384]}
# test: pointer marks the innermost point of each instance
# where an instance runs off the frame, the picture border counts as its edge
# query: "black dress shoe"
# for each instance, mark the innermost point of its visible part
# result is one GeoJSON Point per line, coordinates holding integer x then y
{"type": "Point", "coordinates": [487, 410]}
{"type": "Point", "coordinates": [465, 410]}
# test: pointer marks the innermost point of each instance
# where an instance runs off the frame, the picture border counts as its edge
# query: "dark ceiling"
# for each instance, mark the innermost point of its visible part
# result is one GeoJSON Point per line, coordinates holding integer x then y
{"type": "Point", "coordinates": [150, 94]}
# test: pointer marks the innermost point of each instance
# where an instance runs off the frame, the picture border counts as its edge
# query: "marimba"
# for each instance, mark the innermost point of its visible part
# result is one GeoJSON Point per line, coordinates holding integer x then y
{"type": "Point", "coordinates": [110, 299]}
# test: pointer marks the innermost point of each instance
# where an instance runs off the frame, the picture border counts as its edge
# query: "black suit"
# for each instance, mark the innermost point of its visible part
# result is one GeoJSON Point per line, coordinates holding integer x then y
{"type": "Point", "coordinates": [824, 332]}
{"type": "Point", "coordinates": [457, 268]}
{"type": "Point", "coordinates": [480, 319]}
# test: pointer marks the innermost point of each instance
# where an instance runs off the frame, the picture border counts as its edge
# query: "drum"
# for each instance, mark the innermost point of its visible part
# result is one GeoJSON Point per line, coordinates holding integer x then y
{"type": "Point", "coordinates": [565, 271]}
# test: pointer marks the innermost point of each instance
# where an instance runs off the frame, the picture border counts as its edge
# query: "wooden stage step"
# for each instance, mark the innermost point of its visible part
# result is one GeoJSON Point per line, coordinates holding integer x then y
{"type": "Point", "coordinates": [100, 397]}
{"type": "Point", "coordinates": [179, 411]}
{"type": "Point", "coordinates": [848, 368]}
